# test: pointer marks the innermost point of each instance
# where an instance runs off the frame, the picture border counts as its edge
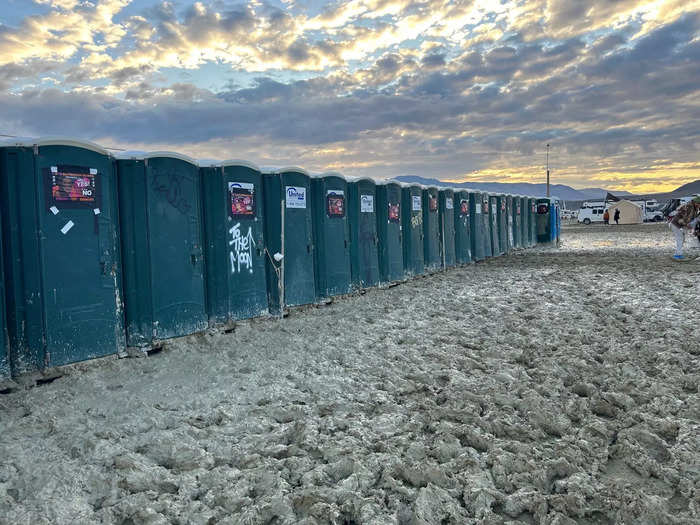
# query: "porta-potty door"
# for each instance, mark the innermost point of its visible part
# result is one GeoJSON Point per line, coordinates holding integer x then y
{"type": "Point", "coordinates": [4, 342]}
{"type": "Point", "coordinates": [447, 227]}
{"type": "Point", "coordinates": [495, 240]}
{"type": "Point", "coordinates": [299, 284]}
{"type": "Point", "coordinates": [412, 227]}
{"type": "Point", "coordinates": [79, 255]}
{"type": "Point", "coordinates": [431, 230]}
{"type": "Point", "coordinates": [332, 235]}
{"type": "Point", "coordinates": [509, 220]}
{"type": "Point", "coordinates": [174, 228]}
{"type": "Point", "coordinates": [463, 250]}
{"type": "Point", "coordinates": [364, 235]}
{"type": "Point", "coordinates": [486, 218]}
{"type": "Point", "coordinates": [390, 234]}
{"type": "Point", "coordinates": [235, 243]}
{"type": "Point", "coordinates": [502, 224]}
{"type": "Point", "coordinates": [245, 242]}
{"type": "Point", "coordinates": [477, 227]}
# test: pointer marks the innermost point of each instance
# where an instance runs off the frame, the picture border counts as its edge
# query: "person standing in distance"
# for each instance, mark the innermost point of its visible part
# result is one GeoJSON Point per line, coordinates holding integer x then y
{"type": "Point", "coordinates": [617, 216]}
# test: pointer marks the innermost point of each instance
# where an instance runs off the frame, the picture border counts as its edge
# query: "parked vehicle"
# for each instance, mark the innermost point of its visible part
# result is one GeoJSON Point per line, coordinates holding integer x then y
{"type": "Point", "coordinates": [593, 214]}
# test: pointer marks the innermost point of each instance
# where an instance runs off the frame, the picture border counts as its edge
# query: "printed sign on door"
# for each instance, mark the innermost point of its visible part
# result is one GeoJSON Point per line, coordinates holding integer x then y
{"type": "Point", "coordinates": [295, 196]}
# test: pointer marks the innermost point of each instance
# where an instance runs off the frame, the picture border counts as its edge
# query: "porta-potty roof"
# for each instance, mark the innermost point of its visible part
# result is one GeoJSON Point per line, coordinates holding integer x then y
{"type": "Point", "coordinates": [130, 155]}
{"type": "Point", "coordinates": [240, 162]}
{"type": "Point", "coordinates": [295, 169]}
{"type": "Point", "coordinates": [327, 174]}
{"type": "Point", "coordinates": [57, 141]}
{"type": "Point", "coordinates": [170, 154]}
{"type": "Point", "coordinates": [358, 179]}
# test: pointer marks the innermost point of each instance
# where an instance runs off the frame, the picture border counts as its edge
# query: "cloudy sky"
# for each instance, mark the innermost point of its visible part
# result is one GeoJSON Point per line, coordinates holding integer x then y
{"type": "Point", "coordinates": [464, 90]}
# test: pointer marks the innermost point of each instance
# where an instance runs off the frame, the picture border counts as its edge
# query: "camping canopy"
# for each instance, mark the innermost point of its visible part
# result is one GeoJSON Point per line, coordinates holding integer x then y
{"type": "Point", "coordinates": [630, 213]}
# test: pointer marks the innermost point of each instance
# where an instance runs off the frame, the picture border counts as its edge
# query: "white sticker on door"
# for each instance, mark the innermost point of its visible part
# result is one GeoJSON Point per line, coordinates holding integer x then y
{"type": "Point", "coordinates": [448, 203]}
{"type": "Point", "coordinates": [295, 196]}
{"type": "Point", "coordinates": [415, 203]}
{"type": "Point", "coordinates": [66, 228]}
{"type": "Point", "coordinates": [367, 203]}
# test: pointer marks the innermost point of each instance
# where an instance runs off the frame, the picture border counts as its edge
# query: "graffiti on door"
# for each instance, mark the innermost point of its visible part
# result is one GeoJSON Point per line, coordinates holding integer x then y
{"type": "Point", "coordinates": [241, 253]}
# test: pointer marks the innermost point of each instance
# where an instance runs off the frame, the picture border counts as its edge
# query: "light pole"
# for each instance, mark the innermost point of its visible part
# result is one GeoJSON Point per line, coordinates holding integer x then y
{"type": "Point", "coordinates": [547, 170]}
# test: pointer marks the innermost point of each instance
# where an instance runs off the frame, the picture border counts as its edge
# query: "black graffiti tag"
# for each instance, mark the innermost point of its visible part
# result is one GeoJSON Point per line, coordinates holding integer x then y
{"type": "Point", "coordinates": [169, 186]}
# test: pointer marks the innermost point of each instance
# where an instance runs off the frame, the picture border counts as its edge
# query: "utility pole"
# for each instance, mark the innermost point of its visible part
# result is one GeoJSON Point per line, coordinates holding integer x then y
{"type": "Point", "coordinates": [547, 170]}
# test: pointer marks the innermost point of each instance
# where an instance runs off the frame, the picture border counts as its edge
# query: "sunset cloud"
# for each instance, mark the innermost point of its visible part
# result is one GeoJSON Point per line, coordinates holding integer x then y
{"type": "Point", "coordinates": [380, 87]}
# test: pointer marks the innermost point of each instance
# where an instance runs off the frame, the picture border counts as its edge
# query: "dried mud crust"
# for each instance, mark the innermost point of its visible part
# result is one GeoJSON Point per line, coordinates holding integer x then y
{"type": "Point", "coordinates": [548, 387]}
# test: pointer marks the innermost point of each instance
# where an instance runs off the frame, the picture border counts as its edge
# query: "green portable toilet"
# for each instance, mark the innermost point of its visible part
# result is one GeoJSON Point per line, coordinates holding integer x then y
{"type": "Point", "coordinates": [163, 255]}
{"type": "Point", "coordinates": [431, 228]}
{"type": "Point", "coordinates": [517, 220]}
{"type": "Point", "coordinates": [478, 241]}
{"type": "Point", "coordinates": [288, 216]}
{"type": "Point", "coordinates": [533, 220]}
{"type": "Point", "coordinates": [493, 225]}
{"type": "Point", "coordinates": [390, 247]}
{"type": "Point", "coordinates": [462, 226]}
{"type": "Point", "coordinates": [523, 221]}
{"type": "Point", "coordinates": [412, 228]}
{"type": "Point", "coordinates": [61, 249]}
{"type": "Point", "coordinates": [527, 215]}
{"type": "Point", "coordinates": [234, 241]}
{"type": "Point", "coordinates": [364, 239]}
{"type": "Point", "coordinates": [486, 217]}
{"type": "Point", "coordinates": [329, 194]}
{"type": "Point", "coordinates": [524, 225]}
{"type": "Point", "coordinates": [502, 224]}
{"type": "Point", "coordinates": [5, 370]}
{"type": "Point", "coordinates": [509, 220]}
{"type": "Point", "coordinates": [447, 227]}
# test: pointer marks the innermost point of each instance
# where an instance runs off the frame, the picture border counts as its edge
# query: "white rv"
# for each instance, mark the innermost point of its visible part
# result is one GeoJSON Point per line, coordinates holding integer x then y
{"type": "Point", "coordinates": [591, 214]}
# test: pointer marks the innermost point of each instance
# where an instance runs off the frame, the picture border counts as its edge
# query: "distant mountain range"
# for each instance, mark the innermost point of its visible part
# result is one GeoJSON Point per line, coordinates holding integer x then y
{"type": "Point", "coordinates": [562, 191]}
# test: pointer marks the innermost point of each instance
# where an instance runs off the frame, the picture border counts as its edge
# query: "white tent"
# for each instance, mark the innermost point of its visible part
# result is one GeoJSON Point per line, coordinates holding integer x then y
{"type": "Point", "coordinates": [630, 213]}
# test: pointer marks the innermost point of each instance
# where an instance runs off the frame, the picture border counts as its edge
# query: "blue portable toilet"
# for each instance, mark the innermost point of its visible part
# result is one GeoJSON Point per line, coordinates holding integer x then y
{"type": "Point", "coordinates": [390, 248]}
{"type": "Point", "coordinates": [364, 239]}
{"type": "Point", "coordinates": [412, 228]}
{"type": "Point", "coordinates": [162, 244]}
{"type": "Point", "coordinates": [329, 194]}
{"type": "Point", "coordinates": [462, 227]}
{"type": "Point", "coordinates": [62, 263]}
{"type": "Point", "coordinates": [234, 240]}
{"type": "Point", "coordinates": [288, 217]}
{"type": "Point", "coordinates": [546, 232]}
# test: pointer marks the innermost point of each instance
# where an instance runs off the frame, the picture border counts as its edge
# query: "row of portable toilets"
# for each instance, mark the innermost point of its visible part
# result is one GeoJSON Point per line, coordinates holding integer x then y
{"type": "Point", "coordinates": [101, 253]}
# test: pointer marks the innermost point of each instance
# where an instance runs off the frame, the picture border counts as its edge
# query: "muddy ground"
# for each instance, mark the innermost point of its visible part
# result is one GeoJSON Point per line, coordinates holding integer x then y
{"type": "Point", "coordinates": [556, 386]}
